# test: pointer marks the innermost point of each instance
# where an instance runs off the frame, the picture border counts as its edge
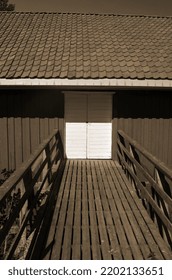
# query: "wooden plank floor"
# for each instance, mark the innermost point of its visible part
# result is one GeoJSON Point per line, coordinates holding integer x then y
{"type": "Point", "coordinates": [99, 216]}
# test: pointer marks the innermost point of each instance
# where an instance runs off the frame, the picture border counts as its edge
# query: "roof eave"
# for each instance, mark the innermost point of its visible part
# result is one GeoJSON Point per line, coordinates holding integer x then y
{"type": "Point", "coordinates": [74, 83]}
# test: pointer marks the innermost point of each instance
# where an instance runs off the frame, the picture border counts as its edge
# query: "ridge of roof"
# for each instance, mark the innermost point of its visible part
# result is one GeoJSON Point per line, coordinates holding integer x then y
{"type": "Point", "coordinates": [77, 13]}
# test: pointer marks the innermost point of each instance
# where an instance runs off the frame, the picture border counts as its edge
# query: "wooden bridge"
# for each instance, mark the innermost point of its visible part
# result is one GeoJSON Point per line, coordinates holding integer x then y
{"type": "Point", "coordinates": [88, 209]}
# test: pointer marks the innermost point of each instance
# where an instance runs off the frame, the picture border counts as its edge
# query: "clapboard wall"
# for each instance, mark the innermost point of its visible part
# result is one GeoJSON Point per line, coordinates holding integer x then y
{"type": "Point", "coordinates": [146, 116]}
{"type": "Point", "coordinates": [27, 117]}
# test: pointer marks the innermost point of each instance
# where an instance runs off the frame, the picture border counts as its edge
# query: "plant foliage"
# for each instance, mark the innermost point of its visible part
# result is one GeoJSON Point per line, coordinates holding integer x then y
{"type": "Point", "coordinates": [5, 6]}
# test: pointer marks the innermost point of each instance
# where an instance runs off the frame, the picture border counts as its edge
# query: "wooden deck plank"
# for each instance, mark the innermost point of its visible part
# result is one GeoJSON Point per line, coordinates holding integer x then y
{"type": "Point", "coordinates": [62, 204]}
{"type": "Point", "coordinates": [104, 242]}
{"type": "Point", "coordinates": [113, 247]}
{"type": "Point", "coordinates": [111, 230]}
{"type": "Point", "coordinates": [156, 244]}
{"type": "Point", "coordinates": [130, 225]}
{"type": "Point", "coordinates": [121, 237]}
{"type": "Point", "coordinates": [111, 227]}
{"type": "Point", "coordinates": [137, 223]}
{"type": "Point", "coordinates": [121, 233]}
{"type": "Point", "coordinates": [163, 248]}
{"type": "Point", "coordinates": [99, 216]}
{"type": "Point", "coordinates": [67, 242]}
{"type": "Point", "coordinates": [49, 244]}
{"type": "Point", "coordinates": [95, 239]}
{"type": "Point", "coordinates": [140, 222]}
{"type": "Point", "coordinates": [76, 245]}
{"type": "Point", "coordinates": [86, 248]}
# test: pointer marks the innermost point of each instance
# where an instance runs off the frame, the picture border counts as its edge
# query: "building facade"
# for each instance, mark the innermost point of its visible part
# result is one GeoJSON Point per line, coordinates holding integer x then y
{"type": "Point", "coordinates": [88, 76]}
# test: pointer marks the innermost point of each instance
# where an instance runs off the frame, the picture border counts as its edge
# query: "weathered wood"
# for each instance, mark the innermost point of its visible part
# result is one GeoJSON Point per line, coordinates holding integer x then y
{"type": "Point", "coordinates": [28, 177]}
{"type": "Point", "coordinates": [146, 117]}
{"type": "Point", "coordinates": [47, 213]}
{"type": "Point", "coordinates": [99, 216]}
{"type": "Point", "coordinates": [61, 209]}
{"type": "Point", "coordinates": [35, 133]}
{"type": "Point", "coordinates": [106, 198]}
{"type": "Point", "coordinates": [4, 143]}
{"type": "Point", "coordinates": [39, 111]}
{"type": "Point", "coordinates": [148, 169]}
{"type": "Point", "coordinates": [55, 220]}
{"type": "Point", "coordinates": [97, 185]}
{"type": "Point", "coordinates": [76, 242]}
{"type": "Point", "coordinates": [153, 183]}
{"type": "Point", "coordinates": [133, 212]}
{"type": "Point", "coordinates": [146, 194]}
{"type": "Point", "coordinates": [61, 130]}
{"type": "Point", "coordinates": [26, 140]}
{"type": "Point", "coordinates": [152, 236]}
{"type": "Point", "coordinates": [66, 252]}
{"type": "Point", "coordinates": [11, 144]}
{"type": "Point", "coordinates": [44, 128]}
{"type": "Point", "coordinates": [95, 241]}
{"type": "Point", "coordinates": [86, 250]}
{"type": "Point", "coordinates": [18, 141]}
{"type": "Point", "coordinates": [159, 164]}
{"type": "Point", "coordinates": [121, 208]}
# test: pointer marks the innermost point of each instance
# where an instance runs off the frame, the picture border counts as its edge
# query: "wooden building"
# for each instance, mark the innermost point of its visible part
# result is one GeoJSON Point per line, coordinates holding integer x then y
{"type": "Point", "coordinates": [87, 75]}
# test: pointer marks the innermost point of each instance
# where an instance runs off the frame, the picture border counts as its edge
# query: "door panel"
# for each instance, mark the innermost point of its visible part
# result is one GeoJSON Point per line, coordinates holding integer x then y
{"type": "Point", "coordinates": [99, 140]}
{"type": "Point", "coordinates": [76, 108]}
{"type": "Point", "coordinates": [99, 108]}
{"type": "Point", "coordinates": [76, 146]}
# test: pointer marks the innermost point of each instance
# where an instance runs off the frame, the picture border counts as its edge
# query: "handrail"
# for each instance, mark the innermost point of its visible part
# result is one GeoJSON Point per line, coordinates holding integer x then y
{"type": "Point", "coordinates": [33, 182]}
{"type": "Point", "coordinates": [152, 180]}
{"type": "Point", "coordinates": [12, 181]}
{"type": "Point", "coordinates": [159, 164]}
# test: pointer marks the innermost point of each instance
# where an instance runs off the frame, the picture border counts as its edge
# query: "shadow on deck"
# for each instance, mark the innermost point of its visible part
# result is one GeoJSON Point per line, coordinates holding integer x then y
{"type": "Point", "coordinates": [87, 209]}
{"type": "Point", "coordinates": [99, 216]}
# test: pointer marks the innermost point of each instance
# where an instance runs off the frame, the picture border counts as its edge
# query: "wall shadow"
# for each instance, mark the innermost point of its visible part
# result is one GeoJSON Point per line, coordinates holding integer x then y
{"type": "Point", "coordinates": [31, 103]}
{"type": "Point", "coordinates": [142, 104]}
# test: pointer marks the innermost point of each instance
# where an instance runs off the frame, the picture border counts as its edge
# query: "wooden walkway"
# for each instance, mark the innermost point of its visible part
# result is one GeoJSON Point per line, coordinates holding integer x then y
{"type": "Point", "coordinates": [99, 216]}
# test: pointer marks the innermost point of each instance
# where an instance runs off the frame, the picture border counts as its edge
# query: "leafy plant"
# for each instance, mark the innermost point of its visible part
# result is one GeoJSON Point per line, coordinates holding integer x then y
{"type": "Point", "coordinates": [6, 209]}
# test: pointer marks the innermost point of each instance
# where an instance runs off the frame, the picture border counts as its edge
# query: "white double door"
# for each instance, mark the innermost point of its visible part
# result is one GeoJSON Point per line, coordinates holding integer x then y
{"type": "Point", "coordinates": [88, 119]}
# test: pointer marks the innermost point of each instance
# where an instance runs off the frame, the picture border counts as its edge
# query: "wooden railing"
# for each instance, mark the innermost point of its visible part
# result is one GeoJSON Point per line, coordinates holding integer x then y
{"type": "Point", "coordinates": [152, 181]}
{"type": "Point", "coordinates": [27, 198]}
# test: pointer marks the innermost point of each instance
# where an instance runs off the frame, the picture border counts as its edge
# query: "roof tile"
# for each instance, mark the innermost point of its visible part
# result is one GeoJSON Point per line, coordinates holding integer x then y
{"type": "Point", "coordinates": [45, 45]}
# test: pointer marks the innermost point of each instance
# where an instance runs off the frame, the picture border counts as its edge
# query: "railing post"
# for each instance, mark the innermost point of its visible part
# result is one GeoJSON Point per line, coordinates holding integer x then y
{"type": "Point", "coordinates": [33, 195]}
{"type": "Point", "coordinates": [23, 213]}
{"type": "Point", "coordinates": [48, 165]}
{"type": "Point", "coordinates": [27, 181]}
{"type": "Point", "coordinates": [152, 181]}
{"type": "Point", "coordinates": [133, 168]}
{"type": "Point", "coordinates": [166, 209]}
{"type": "Point", "coordinates": [121, 140]}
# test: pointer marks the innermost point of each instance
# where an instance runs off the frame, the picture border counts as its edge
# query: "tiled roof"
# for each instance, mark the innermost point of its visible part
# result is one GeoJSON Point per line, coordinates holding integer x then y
{"type": "Point", "coordinates": [73, 46]}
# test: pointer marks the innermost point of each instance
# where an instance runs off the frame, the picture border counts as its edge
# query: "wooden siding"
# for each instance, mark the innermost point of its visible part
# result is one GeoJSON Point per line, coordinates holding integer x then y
{"type": "Point", "coordinates": [147, 118]}
{"type": "Point", "coordinates": [26, 119]}
{"type": "Point", "coordinates": [28, 116]}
